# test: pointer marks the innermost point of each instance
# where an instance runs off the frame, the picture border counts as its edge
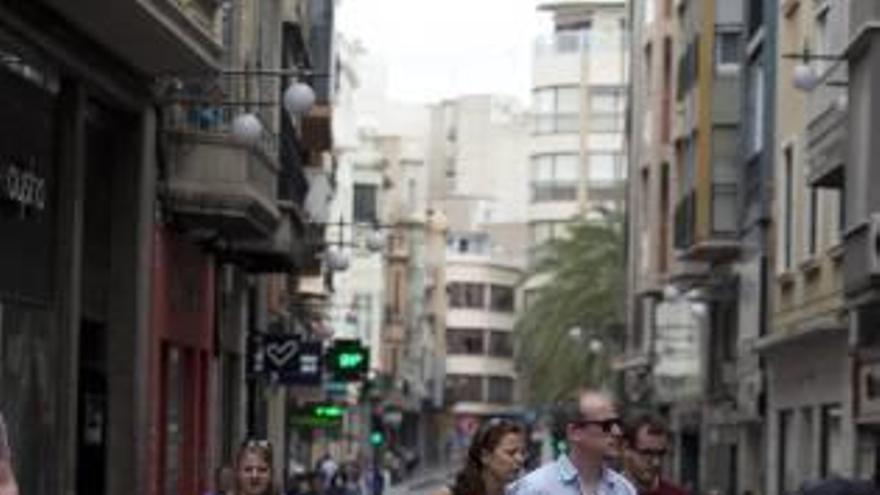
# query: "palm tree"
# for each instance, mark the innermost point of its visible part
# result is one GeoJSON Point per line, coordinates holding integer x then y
{"type": "Point", "coordinates": [567, 333]}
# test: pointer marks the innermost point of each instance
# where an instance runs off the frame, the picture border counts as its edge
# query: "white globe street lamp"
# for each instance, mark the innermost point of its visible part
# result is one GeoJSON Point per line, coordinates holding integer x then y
{"type": "Point", "coordinates": [337, 260]}
{"type": "Point", "coordinates": [596, 346]}
{"type": "Point", "coordinates": [299, 98]}
{"type": "Point", "coordinates": [375, 241]}
{"type": "Point", "coordinates": [805, 77]}
{"type": "Point", "coordinates": [247, 128]}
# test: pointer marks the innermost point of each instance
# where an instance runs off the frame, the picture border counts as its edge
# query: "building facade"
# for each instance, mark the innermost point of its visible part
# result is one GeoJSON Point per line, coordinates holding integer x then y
{"type": "Point", "coordinates": [579, 77]}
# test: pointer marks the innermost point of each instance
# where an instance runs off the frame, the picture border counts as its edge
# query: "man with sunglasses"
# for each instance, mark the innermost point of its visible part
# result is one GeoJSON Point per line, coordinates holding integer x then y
{"type": "Point", "coordinates": [646, 440]}
{"type": "Point", "coordinates": [591, 428]}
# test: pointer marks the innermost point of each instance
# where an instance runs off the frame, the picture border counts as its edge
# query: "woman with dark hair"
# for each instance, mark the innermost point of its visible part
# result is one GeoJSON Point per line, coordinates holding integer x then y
{"type": "Point", "coordinates": [494, 460]}
{"type": "Point", "coordinates": [253, 468]}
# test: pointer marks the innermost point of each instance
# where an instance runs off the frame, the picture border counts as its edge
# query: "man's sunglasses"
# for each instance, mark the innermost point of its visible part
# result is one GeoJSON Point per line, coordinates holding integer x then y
{"type": "Point", "coordinates": [607, 425]}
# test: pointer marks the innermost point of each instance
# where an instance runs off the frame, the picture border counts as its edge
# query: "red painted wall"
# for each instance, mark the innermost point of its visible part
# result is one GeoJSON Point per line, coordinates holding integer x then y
{"type": "Point", "coordinates": [182, 341]}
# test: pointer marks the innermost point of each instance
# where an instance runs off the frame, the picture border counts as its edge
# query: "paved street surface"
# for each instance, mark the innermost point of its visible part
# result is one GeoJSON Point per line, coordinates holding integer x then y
{"type": "Point", "coordinates": [424, 483]}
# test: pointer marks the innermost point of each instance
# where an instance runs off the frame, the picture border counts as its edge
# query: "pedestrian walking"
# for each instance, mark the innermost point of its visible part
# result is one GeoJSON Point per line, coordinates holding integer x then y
{"type": "Point", "coordinates": [591, 430]}
{"type": "Point", "coordinates": [8, 485]}
{"type": "Point", "coordinates": [645, 444]}
{"type": "Point", "coordinates": [494, 460]}
{"type": "Point", "coordinates": [253, 468]}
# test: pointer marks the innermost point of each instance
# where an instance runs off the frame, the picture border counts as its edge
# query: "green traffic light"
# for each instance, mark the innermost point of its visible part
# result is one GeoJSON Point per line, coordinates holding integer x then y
{"type": "Point", "coordinates": [350, 360]}
{"type": "Point", "coordinates": [377, 438]}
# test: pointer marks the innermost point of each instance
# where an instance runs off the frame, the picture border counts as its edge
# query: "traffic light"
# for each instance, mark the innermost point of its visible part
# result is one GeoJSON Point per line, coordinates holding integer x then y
{"type": "Point", "coordinates": [349, 361]}
{"type": "Point", "coordinates": [377, 431]}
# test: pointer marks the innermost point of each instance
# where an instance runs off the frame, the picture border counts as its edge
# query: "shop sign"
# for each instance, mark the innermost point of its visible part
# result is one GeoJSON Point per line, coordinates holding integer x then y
{"type": "Point", "coordinates": [23, 187]}
{"type": "Point", "coordinates": [286, 359]}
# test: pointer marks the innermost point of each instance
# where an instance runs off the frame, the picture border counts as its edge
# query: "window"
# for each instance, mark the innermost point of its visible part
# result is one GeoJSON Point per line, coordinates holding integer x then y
{"type": "Point", "coordinates": [650, 11]}
{"type": "Point", "coordinates": [727, 55]}
{"type": "Point", "coordinates": [607, 109]}
{"type": "Point", "coordinates": [467, 295]}
{"type": "Point", "coordinates": [500, 389]}
{"type": "Point", "coordinates": [365, 204]}
{"type": "Point", "coordinates": [830, 441]}
{"type": "Point", "coordinates": [501, 344]}
{"type": "Point", "coordinates": [607, 101]}
{"type": "Point", "coordinates": [812, 222]}
{"type": "Point", "coordinates": [464, 388]}
{"type": "Point", "coordinates": [501, 298]}
{"type": "Point", "coordinates": [557, 110]}
{"type": "Point", "coordinates": [756, 127]}
{"type": "Point", "coordinates": [543, 232]}
{"type": "Point", "coordinates": [787, 448]}
{"type": "Point", "coordinates": [555, 177]}
{"type": "Point", "coordinates": [465, 341]}
{"type": "Point", "coordinates": [787, 223]}
{"type": "Point", "coordinates": [604, 168]}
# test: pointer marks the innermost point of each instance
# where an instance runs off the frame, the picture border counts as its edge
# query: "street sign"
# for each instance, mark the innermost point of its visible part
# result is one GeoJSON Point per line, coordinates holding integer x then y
{"type": "Point", "coordinates": [286, 358]}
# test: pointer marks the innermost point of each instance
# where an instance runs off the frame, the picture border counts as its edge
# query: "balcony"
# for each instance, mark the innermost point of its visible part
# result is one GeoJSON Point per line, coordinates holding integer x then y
{"type": "Point", "coordinates": [827, 128]}
{"type": "Point", "coordinates": [563, 43]}
{"type": "Point", "coordinates": [281, 252]}
{"type": "Point", "coordinates": [216, 182]}
{"type": "Point", "coordinates": [716, 241]}
{"type": "Point", "coordinates": [154, 36]}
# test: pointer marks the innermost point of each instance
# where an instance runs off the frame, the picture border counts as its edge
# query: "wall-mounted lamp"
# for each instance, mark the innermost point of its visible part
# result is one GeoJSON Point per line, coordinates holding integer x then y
{"type": "Point", "coordinates": [298, 99]}
{"type": "Point", "coordinates": [805, 77]}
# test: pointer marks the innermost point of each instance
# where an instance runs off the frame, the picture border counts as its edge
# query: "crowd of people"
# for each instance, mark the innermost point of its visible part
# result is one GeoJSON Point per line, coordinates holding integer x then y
{"type": "Point", "coordinates": [605, 455]}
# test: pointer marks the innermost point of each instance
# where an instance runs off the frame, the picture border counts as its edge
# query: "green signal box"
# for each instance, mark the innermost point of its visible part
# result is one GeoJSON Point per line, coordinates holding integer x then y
{"type": "Point", "coordinates": [349, 361]}
{"type": "Point", "coordinates": [319, 415]}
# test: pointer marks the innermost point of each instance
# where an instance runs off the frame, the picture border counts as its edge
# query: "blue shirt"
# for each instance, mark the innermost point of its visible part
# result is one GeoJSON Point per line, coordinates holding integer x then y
{"type": "Point", "coordinates": [561, 478]}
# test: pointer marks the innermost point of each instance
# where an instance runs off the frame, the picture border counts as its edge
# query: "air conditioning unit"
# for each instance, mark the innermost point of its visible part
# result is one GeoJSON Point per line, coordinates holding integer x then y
{"type": "Point", "coordinates": [872, 244]}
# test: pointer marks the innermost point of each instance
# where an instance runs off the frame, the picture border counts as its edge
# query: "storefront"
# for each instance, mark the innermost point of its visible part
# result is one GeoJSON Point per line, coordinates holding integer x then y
{"type": "Point", "coordinates": [181, 353]}
{"type": "Point", "coordinates": [809, 408]}
{"type": "Point", "coordinates": [76, 204]}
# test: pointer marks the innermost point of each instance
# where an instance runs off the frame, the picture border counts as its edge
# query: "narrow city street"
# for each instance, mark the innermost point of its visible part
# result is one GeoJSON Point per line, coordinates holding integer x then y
{"type": "Point", "coordinates": [308, 247]}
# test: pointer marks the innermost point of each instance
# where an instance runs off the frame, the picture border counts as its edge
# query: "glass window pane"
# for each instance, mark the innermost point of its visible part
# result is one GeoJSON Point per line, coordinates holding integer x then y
{"type": "Point", "coordinates": [501, 344]}
{"type": "Point", "coordinates": [465, 341]}
{"type": "Point", "coordinates": [568, 100]}
{"type": "Point", "coordinates": [501, 298]}
{"type": "Point", "coordinates": [567, 168]}
{"type": "Point", "coordinates": [604, 103]}
{"type": "Point", "coordinates": [542, 168]}
{"type": "Point", "coordinates": [603, 167]}
{"type": "Point", "coordinates": [545, 102]}
{"type": "Point", "coordinates": [500, 390]}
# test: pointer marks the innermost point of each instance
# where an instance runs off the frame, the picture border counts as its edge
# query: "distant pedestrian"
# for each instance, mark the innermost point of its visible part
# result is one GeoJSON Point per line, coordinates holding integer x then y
{"type": "Point", "coordinates": [8, 485]}
{"type": "Point", "coordinates": [494, 460]}
{"type": "Point", "coordinates": [591, 429]}
{"type": "Point", "coordinates": [645, 445]}
{"type": "Point", "coordinates": [253, 468]}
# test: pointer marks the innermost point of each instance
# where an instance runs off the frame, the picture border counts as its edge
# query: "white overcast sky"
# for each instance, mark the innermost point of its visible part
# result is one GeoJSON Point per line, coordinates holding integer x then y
{"type": "Point", "coordinates": [444, 48]}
